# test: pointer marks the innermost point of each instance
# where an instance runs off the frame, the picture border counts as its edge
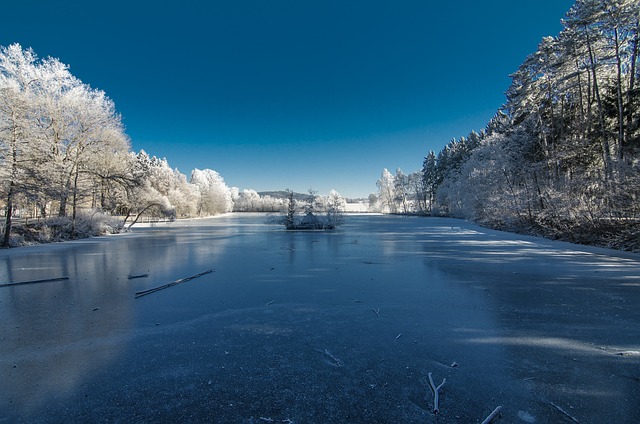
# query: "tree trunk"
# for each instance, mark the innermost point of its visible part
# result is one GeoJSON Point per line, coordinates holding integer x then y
{"type": "Point", "coordinates": [632, 79]}
{"type": "Point", "coordinates": [141, 212]}
{"type": "Point", "coordinates": [43, 210]}
{"type": "Point", "coordinates": [103, 196]}
{"type": "Point", "coordinates": [12, 188]}
{"type": "Point", "coordinates": [581, 100]}
{"type": "Point", "coordinates": [126, 217]}
{"type": "Point", "coordinates": [8, 220]}
{"type": "Point", "coordinates": [62, 211]}
{"type": "Point", "coordinates": [589, 92]}
{"type": "Point", "coordinates": [74, 203]}
{"type": "Point", "coordinates": [606, 149]}
{"type": "Point", "coordinates": [619, 95]}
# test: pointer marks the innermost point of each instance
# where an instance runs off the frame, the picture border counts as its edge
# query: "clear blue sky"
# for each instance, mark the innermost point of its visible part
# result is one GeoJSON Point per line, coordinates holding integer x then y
{"type": "Point", "coordinates": [291, 94]}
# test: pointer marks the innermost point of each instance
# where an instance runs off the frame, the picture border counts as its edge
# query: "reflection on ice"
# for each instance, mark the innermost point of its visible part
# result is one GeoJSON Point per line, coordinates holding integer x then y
{"type": "Point", "coordinates": [556, 343]}
{"type": "Point", "coordinates": [253, 334]}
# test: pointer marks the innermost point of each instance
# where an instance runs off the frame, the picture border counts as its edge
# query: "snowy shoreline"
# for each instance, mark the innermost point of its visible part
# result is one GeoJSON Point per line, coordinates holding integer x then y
{"type": "Point", "coordinates": [178, 221]}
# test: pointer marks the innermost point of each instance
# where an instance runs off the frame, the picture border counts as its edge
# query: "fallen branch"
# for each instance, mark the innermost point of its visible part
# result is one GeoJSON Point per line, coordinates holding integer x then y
{"type": "Point", "coordinates": [337, 361]}
{"type": "Point", "coordinates": [628, 353]}
{"type": "Point", "coordinates": [492, 416]}
{"type": "Point", "coordinates": [131, 277]}
{"type": "Point", "coordinates": [436, 392]}
{"type": "Point", "coordinates": [377, 312]}
{"type": "Point", "coordinates": [565, 413]}
{"type": "Point", "coordinates": [159, 205]}
{"type": "Point", "coordinates": [173, 283]}
{"type": "Point", "coordinates": [46, 280]}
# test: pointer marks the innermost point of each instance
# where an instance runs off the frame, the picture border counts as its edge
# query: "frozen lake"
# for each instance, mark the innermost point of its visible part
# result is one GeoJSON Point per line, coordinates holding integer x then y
{"type": "Point", "coordinates": [320, 327]}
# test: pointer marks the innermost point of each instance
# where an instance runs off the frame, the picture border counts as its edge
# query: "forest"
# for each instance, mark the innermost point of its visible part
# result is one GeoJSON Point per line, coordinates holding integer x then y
{"type": "Point", "coordinates": [561, 158]}
{"type": "Point", "coordinates": [66, 162]}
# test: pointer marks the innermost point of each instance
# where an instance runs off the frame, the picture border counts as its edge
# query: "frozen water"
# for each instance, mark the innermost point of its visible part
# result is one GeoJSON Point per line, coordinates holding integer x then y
{"type": "Point", "coordinates": [339, 326]}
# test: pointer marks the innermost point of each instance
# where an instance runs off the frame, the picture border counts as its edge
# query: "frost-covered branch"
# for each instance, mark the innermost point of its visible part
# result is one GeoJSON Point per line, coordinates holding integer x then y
{"type": "Point", "coordinates": [436, 392]}
{"type": "Point", "coordinates": [46, 280]}
{"type": "Point", "coordinates": [171, 284]}
{"type": "Point", "coordinates": [492, 416]}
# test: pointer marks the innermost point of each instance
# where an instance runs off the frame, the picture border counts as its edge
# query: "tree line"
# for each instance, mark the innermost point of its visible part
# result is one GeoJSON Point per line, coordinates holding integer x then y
{"type": "Point", "coordinates": [561, 157]}
{"type": "Point", "coordinates": [64, 153]}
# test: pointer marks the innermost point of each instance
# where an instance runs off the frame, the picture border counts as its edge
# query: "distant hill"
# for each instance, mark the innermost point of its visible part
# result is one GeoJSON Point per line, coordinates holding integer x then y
{"type": "Point", "coordinates": [282, 194]}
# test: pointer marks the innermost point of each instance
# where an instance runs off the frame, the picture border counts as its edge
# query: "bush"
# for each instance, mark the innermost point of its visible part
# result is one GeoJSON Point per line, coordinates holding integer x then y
{"type": "Point", "coordinates": [58, 229]}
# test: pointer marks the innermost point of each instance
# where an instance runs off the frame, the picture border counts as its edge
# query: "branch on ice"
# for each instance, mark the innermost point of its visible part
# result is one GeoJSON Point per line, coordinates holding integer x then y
{"type": "Point", "coordinates": [436, 392]}
{"type": "Point", "coordinates": [173, 283]}
{"type": "Point", "coordinates": [46, 280]}
{"type": "Point", "coordinates": [492, 416]}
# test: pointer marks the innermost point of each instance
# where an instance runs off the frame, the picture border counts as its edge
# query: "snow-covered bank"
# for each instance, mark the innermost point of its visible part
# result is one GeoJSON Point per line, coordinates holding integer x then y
{"type": "Point", "coordinates": [178, 222]}
{"type": "Point", "coordinates": [341, 326]}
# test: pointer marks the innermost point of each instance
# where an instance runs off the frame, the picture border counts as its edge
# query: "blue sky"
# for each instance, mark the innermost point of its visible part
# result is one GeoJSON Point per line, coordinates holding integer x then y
{"type": "Point", "coordinates": [292, 94]}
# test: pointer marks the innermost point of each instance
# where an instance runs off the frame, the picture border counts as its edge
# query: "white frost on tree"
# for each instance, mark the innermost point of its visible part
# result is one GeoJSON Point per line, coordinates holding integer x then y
{"type": "Point", "coordinates": [215, 196]}
{"type": "Point", "coordinates": [56, 135]}
{"type": "Point", "coordinates": [387, 192]}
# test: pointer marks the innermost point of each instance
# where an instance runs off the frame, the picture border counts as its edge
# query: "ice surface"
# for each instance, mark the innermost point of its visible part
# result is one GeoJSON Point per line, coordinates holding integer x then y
{"type": "Point", "coordinates": [304, 326]}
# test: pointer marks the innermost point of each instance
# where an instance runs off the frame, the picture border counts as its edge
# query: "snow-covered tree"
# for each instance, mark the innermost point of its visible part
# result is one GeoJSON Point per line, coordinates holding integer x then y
{"type": "Point", "coordinates": [146, 194]}
{"type": "Point", "coordinates": [430, 180]}
{"type": "Point", "coordinates": [417, 192]}
{"type": "Point", "coordinates": [248, 201]}
{"type": "Point", "coordinates": [335, 208]}
{"type": "Point", "coordinates": [386, 192]}
{"type": "Point", "coordinates": [215, 196]}
{"type": "Point", "coordinates": [184, 197]}
{"type": "Point", "coordinates": [401, 191]}
{"type": "Point", "coordinates": [19, 137]}
{"type": "Point", "coordinates": [56, 133]}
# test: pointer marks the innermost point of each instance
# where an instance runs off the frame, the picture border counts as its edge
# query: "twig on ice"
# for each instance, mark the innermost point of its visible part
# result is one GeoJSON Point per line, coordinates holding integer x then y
{"type": "Point", "coordinates": [565, 413]}
{"type": "Point", "coordinates": [436, 392]}
{"type": "Point", "coordinates": [46, 280]}
{"type": "Point", "coordinates": [492, 416]}
{"type": "Point", "coordinates": [337, 361]}
{"type": "Point", "coordinates": [131, 277]}
{"type": "Point", "coordinates": [398, 336]}
{"type": "Point", "coordinates": [269, 420]}
{"type": "Point", "coordinates": [628, 353]}
{"type": "Point", "coordinates": [269, 302]}
{"type": "Point", "coordinates": [377, 312]}
{"type": "Point", "coordinates": [173, 283]}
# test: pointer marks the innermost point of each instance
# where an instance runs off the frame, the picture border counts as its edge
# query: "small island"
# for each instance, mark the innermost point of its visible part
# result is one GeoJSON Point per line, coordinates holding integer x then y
{"type": "Point", "coordinates": [313, 214]}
